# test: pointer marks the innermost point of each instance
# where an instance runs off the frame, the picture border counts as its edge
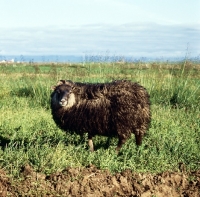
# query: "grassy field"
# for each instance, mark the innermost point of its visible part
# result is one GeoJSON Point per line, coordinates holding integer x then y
{"type": "Point", "coordinates": [28, 135]}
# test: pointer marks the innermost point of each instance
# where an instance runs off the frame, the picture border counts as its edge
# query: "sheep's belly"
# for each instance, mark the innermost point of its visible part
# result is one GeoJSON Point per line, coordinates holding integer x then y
{"type": "Point", "coordinates": [97, 121]}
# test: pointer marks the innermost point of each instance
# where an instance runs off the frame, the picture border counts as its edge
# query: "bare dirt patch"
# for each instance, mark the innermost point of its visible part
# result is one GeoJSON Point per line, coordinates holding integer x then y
{"type": "Point", "coordinates": [90, 181]}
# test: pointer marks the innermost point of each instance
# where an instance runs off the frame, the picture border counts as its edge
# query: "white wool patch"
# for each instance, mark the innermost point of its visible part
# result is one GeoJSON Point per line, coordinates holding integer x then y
{"type": "Point", "coordinates": [71, 101]}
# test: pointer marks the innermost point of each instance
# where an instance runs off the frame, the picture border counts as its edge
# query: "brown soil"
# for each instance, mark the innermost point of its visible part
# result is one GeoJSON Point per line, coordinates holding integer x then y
{"type": "Point", "coordinates": [90, 182]}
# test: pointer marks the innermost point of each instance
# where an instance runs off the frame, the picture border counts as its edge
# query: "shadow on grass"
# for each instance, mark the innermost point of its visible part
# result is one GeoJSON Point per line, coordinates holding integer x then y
{"type": "Point", "coordinates": [99, 142]}
{"type": "Point", "coordinates": [104, 143]}
{"type": "Point", "coordinates": [24, 92]}
{"type": "Point", "coordinates": [4, 142]}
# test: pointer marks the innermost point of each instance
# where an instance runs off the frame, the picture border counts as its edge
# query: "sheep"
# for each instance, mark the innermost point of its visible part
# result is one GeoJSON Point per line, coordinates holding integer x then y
{"type": "Point", "coordinates": [117, 109]}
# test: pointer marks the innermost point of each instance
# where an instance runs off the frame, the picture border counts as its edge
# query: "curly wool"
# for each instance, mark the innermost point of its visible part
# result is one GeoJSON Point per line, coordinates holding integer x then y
{"type": "Point", "coordinates": [117, 109]}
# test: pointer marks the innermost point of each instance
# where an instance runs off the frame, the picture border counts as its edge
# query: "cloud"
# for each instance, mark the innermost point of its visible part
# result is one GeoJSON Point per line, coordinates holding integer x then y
{"type": "Point", "coordinates": [139, 40]}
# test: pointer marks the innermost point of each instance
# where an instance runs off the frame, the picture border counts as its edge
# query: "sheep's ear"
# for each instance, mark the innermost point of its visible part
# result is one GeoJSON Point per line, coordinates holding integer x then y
{"type": "Point", "coordinates": [70, 83]}
{"type": "Point", "coordinates": [67, 82]}
{"type": "Point", "coordinates": [53, 87]}
{"type": "Point", "coordinates": [60, 82]}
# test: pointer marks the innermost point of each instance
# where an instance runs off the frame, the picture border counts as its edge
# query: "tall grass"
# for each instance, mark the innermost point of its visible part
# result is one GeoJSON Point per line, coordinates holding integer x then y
{"type": "Point", "coordinates": [29, 135]}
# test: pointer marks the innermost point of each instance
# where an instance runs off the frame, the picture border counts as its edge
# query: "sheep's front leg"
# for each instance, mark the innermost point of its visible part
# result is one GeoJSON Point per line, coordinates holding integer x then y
{"type": "Point", "coordinates": [138, 138]}
{"type": "Point", "coordinates": [90, 143]}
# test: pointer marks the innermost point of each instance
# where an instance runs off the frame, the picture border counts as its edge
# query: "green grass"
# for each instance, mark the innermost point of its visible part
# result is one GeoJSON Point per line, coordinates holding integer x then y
{"type": "Point", "coordinates": [28, 135]}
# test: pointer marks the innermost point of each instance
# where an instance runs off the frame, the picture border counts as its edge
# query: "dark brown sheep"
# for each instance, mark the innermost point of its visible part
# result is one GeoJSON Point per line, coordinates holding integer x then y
{"type": "Point", "coordinates": [117, 109]}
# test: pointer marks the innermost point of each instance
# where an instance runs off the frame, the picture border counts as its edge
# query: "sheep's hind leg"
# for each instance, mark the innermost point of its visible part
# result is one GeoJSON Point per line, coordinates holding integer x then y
{"type": "Point", "coordinates": [120, 143]}
{"type": "Point", "coordinates": [90, 143]}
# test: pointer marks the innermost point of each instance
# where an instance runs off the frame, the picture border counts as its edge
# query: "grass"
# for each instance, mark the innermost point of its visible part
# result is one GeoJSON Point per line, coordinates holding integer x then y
{"type": "Point", "coordinates": [28, 134]}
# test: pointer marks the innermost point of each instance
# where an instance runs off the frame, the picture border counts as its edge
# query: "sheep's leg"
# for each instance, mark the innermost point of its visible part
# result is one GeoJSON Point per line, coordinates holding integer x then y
{"type": "Point", "coordinates": [108, 142]}
{"type": "Point", "coordinates": [120, 143]}
{"type": "Point", "coordinates": [90, 143]}
{"type": "Point", "coordinates": [138, 138]}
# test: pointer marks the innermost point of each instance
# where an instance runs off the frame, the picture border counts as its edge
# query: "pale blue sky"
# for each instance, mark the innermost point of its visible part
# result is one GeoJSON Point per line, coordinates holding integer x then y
{"type": "Point", "coordinates": [127, 27]}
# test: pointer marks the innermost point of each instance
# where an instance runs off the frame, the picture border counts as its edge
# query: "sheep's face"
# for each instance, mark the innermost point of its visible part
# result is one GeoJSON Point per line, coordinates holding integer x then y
{"type": "Point", "coordinates": [63, 96]}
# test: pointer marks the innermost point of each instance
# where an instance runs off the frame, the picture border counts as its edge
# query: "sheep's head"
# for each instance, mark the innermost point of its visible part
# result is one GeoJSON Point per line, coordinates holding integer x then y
{"type": "Point", "coordinates": [63, 95]}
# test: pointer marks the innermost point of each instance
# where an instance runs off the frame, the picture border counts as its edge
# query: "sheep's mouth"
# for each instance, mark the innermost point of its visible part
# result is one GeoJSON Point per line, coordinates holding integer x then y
{"type": "Point", "coordinates": [63, 103]}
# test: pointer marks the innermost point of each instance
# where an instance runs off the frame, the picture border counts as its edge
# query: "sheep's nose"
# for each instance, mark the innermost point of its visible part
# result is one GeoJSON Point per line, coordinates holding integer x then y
{"type": "Point", "coordinates": [62, 100]}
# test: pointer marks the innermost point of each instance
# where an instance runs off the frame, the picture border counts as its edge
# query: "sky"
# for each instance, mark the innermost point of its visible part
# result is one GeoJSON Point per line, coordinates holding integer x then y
{"type": "Point", "coordinates": [139, 28]}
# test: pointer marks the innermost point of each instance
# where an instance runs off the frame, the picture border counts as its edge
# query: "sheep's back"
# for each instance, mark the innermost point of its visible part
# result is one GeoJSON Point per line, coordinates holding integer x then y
{"type": "Point", "coordinates": [131, 106]}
